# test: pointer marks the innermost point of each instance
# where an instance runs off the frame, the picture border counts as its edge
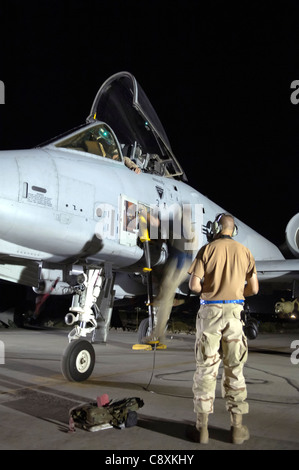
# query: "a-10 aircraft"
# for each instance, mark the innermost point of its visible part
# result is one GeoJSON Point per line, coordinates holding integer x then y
{"type": "Point", "coordinates": [70, 215]}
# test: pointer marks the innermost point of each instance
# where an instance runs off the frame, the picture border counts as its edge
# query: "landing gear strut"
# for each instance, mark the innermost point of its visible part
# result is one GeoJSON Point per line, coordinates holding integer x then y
{"type": "Point", "coordinates": [91, 313]}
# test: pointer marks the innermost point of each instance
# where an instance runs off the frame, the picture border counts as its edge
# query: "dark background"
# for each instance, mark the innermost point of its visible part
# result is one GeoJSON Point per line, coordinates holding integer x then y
{"type": "Point", "coordinates": [219, 78]}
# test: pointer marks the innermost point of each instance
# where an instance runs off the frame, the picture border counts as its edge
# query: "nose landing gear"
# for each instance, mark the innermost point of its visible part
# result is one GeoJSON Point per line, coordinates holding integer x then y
{"type": "Point", "coordinates": [91, 310]}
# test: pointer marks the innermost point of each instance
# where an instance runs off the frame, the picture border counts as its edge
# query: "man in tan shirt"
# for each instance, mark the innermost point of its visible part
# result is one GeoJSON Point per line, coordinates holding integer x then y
{"type": "Point", "coordinates": [224, 273]}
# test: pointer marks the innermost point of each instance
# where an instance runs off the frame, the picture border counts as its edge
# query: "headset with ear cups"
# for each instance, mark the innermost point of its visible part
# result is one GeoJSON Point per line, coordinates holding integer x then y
{"type": "Point", "coordinates": [217, 226]}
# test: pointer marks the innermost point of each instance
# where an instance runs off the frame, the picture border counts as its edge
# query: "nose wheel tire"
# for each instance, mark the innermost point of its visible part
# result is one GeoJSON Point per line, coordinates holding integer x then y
{"type": "Point", "coordinates": [78, 360]}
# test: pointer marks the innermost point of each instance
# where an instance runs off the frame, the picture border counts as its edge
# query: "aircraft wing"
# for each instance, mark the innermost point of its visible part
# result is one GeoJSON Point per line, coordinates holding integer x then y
{"type": "Point", "coordinates": [285, 265]}
{"type": "Point", "coordinates": [278, 270]}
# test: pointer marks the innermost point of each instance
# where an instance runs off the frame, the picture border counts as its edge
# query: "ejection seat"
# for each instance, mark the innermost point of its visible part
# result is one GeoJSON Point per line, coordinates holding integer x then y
{"type": "Point", "coordinates": [95, 147]}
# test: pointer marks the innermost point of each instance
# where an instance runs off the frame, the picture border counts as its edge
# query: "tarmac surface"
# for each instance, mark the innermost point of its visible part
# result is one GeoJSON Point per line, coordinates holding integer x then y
{"type": "Point", "coordinates": [35, 398]}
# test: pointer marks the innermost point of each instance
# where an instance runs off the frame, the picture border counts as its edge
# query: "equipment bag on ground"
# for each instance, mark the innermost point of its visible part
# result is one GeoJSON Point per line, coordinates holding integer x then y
{"type": "Point", "coordinates": [121, 413]}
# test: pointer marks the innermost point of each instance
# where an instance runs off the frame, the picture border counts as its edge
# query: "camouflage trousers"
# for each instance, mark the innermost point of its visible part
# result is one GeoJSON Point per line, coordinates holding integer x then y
{"type": "Point", "coordinates": [220, 337]}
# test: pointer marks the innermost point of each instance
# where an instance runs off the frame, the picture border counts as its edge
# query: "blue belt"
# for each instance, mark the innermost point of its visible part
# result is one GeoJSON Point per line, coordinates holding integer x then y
{"type": "Point", "coordinates": [207, 302]}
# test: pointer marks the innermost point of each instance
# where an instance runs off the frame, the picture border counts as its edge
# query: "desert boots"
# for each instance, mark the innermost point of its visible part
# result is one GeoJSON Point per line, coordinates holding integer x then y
{"type": "Point", "coordinates": [202, 427]}
{"type": "Point", "coordinates": [239, 432]}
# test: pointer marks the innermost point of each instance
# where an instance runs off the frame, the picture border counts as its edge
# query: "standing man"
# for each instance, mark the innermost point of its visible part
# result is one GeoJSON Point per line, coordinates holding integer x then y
{"type": "Point", "coordinates": [219, 273]}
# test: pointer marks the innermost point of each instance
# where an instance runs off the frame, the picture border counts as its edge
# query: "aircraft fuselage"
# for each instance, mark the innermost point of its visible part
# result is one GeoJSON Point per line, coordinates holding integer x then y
{"type": "Point", "coordinates": [52, 200]}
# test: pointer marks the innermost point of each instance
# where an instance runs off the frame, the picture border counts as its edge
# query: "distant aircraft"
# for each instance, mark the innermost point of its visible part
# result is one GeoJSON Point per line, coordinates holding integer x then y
{"type": "Point", "coordinates": [70, 215]}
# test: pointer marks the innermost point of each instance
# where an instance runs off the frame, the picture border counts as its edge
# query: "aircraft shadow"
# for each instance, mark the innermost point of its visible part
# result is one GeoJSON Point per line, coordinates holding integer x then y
{"type": "Point", "coordinates": [179, 429]}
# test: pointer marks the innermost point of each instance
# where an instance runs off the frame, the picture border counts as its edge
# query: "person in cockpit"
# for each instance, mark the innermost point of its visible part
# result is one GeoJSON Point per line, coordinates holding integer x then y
{"type": "Point", "coordinates": [127, 161]}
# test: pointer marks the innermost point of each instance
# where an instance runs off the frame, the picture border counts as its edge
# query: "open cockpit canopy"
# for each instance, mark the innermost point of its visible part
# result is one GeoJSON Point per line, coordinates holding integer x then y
{"type": "Point", "coordinates": [123, 105]}
{"type": "Point", "coordinates": [123, 125]}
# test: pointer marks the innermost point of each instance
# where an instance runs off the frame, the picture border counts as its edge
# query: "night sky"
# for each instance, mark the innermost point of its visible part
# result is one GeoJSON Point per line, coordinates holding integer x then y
{"type": "Point", "coordinates": [219, 78]}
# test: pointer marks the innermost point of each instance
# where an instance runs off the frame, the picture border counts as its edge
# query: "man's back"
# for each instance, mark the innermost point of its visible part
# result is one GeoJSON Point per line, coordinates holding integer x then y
{"type": "Point", "coordinates": [224, 264]}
